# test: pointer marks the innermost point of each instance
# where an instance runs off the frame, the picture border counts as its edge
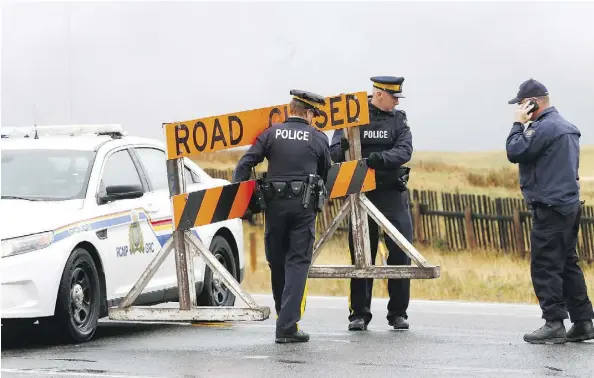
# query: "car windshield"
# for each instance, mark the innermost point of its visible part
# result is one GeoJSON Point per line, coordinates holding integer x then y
{"type": "Point", "coordinates": [45, 175]}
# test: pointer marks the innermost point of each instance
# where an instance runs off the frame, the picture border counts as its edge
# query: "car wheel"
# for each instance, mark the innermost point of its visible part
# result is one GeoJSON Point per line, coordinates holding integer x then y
{"type": "Point", "coordinates": [78, 302]}
{"type": "Point", "coordinates": [215, 292]}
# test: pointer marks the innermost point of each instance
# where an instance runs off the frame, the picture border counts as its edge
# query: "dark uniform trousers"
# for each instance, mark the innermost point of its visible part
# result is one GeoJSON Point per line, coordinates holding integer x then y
{"type": "Point", "coordinates": [289, 239]}
{"type": "Point", "coordinates": [557, 279]}
{"type": "Point", "coordinates": [394, 205]}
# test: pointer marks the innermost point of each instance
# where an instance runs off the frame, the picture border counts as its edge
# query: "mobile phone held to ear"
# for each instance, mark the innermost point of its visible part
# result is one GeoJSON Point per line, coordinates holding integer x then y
{"type": "Point", "coordinates": [534, 108]}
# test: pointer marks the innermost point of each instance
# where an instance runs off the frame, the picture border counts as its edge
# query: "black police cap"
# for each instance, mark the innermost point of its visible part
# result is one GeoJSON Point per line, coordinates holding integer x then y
{"type": "Point", "coordinates": [529, 88]}
{"type": "Point", "coordinates": [390, 84]}
{"type": "Point", "coordinates": [312, 100]}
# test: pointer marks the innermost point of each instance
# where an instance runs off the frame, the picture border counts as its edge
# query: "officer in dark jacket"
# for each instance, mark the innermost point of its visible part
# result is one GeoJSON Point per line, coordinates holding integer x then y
{"type": "Point", "coordinates": [296, 151]}
{"type": "Point", "coordinates": [387, 144]}
{"type": "Point", "coordinates": [547, 152]}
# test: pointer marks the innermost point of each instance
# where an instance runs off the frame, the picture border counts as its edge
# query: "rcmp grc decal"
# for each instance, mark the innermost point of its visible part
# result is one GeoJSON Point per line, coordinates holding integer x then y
{"type": "Point", "coordinates": [135, 235]}
{"type": "Point", "coordinates": [135, 239]}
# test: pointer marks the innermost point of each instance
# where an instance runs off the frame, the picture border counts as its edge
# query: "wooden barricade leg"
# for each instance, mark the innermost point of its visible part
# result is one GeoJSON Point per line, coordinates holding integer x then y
{"type": "Point", "coordinates": [217, 267]}
{"type": "Point", "coordinates": [394, 234]}
{"type": "Point", "coordinates": [342, 213]}
{"type": "Point", "coordinates": [147, 274]}
{"type": "Point", "coordinates": [359, 207]}
{"type": "Point", "coordinates": [186, 246]}
{"type": "Point", "coordinates": [177, 185]}
{"type": "Point", "coordinates": [359, 224]}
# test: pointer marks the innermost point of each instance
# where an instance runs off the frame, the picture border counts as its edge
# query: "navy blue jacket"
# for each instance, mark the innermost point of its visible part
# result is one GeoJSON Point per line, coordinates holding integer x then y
{"type": "Point", "coordinates": [387, 133]}
{"type": "Point", "coordinates": [548, 156]}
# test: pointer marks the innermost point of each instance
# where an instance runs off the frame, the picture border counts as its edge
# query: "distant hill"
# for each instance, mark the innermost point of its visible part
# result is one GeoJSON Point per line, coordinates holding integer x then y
{"type": "Point", "coordinates": [486, 172]}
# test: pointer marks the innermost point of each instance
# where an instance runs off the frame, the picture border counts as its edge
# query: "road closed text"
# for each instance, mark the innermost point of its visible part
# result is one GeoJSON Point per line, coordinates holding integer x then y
{"type": "Point", "coordinates": [191, 138]}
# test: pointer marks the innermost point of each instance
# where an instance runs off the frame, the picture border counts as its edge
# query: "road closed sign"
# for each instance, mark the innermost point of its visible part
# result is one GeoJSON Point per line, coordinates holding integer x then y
{"type": "Point", "coordinates": [191, 138]}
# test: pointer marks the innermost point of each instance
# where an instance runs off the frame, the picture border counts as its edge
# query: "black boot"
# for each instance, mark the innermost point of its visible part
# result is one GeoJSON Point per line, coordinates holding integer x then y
{"type": "Point", "coordinates": [398, 323]}
{"type": "Point", "coordinates": [581, 331]}
{"type": "Point", "coordinates": [357, 325]}
{"type": "Point", "coordinates": [553, 332]}
{"type": "Point", "coordinates": [297, 337]}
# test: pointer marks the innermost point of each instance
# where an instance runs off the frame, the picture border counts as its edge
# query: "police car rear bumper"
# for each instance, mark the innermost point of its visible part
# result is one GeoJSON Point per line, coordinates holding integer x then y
{"type": "Point", "coordinates": [30, 283]}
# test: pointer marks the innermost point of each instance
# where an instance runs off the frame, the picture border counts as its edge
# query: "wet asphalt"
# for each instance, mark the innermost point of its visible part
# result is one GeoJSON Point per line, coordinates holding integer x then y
{"type": "Point", "coordinates": [446, 339]}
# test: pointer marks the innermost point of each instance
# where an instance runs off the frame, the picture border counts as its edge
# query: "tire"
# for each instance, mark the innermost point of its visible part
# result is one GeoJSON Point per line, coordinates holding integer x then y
{"type": "Point", "coordinates": [79, 300]}
{"type": "Point", "coordinates": [214, 292]}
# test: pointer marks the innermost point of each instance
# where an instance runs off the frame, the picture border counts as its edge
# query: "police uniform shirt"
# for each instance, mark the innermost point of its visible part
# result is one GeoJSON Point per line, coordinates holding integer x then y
{"type": "Point", "coordinates": [387, 133]}
{"type": "Point", "coordinates": [294, 150]}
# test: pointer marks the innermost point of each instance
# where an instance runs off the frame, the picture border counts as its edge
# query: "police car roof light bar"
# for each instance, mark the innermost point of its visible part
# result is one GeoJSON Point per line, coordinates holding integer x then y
{"type": "Point", "coordinates": [62, 130]}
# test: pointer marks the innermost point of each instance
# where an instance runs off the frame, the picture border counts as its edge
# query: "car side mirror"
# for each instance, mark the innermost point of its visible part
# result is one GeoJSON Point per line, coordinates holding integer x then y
{"type": "Point", "coordinates": [120, 192]}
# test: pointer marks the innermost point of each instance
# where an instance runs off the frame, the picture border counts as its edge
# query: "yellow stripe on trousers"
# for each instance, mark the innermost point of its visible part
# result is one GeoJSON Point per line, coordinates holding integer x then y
{"type": "Point", "coordinates": [303, 302]}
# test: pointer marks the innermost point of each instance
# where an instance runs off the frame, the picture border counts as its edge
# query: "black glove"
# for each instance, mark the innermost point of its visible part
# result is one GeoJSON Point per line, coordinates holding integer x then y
{"type": "Point", "coordinates": [404, 173]}
{"type": "Point", "coordinates": [403, 176]}
{"type": "Point", "coordinates": [344, 144]}
{"type": "Point", "coordinates": [375, 160]}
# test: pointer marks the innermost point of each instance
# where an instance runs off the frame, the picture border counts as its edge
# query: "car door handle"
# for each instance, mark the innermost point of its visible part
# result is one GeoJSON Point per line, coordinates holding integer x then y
{"type": "Point", "coordinates": [102, 234]}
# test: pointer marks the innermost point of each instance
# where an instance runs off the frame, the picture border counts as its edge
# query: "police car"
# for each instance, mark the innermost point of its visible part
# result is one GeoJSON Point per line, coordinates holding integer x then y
{"type": "Point", "coordinates": [84, 210]}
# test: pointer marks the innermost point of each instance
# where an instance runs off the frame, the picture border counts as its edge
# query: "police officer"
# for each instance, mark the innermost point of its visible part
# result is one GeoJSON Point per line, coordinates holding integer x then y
{"type": "Point", "coordinates": [547, 152]}
{"type": "Point", "coordinates": [387, 144]}
{"type": "Point", "coordinates": [295, 150]}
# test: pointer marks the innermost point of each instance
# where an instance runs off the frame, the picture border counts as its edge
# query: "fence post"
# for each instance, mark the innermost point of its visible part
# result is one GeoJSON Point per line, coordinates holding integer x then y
{"type": "Point", "coordinates": [253, 251]}
{"type": "Point", "coordinates": [418, 224]}
{"type": "Point", "coordinates": [501, 225]}
{"type": "Point", "coordinates": [517, 220]}
{"type": "Point", "coordinates": [470, 238]}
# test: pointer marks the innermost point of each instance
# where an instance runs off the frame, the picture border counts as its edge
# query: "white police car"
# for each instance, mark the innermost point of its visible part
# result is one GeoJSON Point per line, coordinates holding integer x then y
{"type": "Point", "coordinates": [70, 250]}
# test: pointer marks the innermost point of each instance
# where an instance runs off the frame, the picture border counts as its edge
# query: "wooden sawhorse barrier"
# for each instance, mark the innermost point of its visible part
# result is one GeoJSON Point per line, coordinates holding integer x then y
{"type": "Point", "coordinates": [188, 139]}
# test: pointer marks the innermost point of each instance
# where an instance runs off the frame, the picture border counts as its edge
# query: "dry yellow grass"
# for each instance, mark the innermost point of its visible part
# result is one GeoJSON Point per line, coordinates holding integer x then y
{"type": "Point", "coordinates": [467, 276]}
{"type": "Point", "coordinates": [487, 173]}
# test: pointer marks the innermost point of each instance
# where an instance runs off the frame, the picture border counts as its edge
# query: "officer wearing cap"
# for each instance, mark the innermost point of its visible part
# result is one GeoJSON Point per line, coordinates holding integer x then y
{"type": "Point", "coordinates": [547, 152]}
{"type": "Point", "coordinates": [295, 151]}
{"type": "Point", "coordinates": [387, 144]}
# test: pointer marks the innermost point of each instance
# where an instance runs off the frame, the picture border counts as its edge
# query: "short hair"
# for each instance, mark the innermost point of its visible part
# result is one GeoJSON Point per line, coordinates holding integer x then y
{"type": "Point", "coordinates": [298, 108]}
{"type": "Point", "coordinates": [375, 90]}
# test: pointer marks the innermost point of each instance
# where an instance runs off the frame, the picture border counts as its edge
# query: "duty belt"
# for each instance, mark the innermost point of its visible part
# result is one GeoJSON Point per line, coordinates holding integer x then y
{"type": "Point", "coordinates": [283, 189]}
{"type": "Point", "coordinates": [312, 192]}
{"type": "Point", "coordinates": [537, 204]}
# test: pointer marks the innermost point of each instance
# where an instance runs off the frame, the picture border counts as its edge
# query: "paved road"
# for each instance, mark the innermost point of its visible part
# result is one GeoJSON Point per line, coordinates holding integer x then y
{"type": "Point", "coordinates": [446, 339]}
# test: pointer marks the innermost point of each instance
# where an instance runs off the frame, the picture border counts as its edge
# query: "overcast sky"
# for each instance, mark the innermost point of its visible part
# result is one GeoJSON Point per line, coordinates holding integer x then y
{"type": "Point", "coordinates": [144, 63]}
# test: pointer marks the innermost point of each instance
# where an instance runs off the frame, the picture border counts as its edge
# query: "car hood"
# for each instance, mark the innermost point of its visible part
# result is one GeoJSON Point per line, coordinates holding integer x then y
{"type": "Point", "coordinates": [20, 218]}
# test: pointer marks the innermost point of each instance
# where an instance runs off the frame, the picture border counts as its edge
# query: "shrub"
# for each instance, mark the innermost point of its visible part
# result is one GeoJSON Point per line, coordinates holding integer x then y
{"type": "Point", "coordinates": [503, 177]}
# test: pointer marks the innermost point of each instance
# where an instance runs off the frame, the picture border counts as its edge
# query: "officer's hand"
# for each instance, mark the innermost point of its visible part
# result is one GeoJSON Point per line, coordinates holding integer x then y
{"type": "Point", "coordinates": [522, 115]}
{"type": "Point", "coordinates": [375, 160]}
{"type": "Point", "coordinates": [344, 144]}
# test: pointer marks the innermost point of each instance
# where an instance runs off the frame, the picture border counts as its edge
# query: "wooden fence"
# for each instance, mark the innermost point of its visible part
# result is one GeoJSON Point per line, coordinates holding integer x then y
{"type": "Point", "coordinates": [465, 221]}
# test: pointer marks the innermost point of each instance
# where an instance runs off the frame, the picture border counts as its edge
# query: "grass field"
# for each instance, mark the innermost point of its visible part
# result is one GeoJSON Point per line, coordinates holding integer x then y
{"type": "Point", "coordinates": [467, 276]}
{"type": "Point", "coordinates": [487, 173]}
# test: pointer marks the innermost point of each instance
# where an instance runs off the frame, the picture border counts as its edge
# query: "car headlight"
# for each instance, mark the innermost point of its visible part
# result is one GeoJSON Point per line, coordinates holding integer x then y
{"type": "Point", "coordinates": [17, 246]}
